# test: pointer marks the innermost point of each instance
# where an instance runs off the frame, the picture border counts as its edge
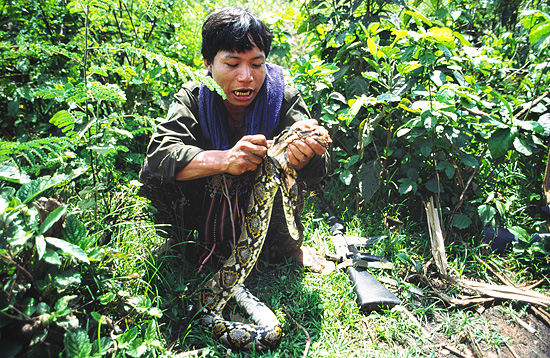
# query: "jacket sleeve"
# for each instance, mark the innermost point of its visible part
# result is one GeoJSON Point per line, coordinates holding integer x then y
{"type": "Point", "coordinates": [177, 140]}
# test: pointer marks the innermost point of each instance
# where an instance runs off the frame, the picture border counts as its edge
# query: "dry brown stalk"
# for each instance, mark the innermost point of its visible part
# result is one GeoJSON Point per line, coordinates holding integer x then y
{"type": "Point", "coordinates": [531, 105]}
{"type": "Point", "coordinates": [546, 182]}
{"type": "Point", "coordinates": [478, 352]}
{"type": "Point", "coordinates": [436, 237]}
{"type": "Point", "coordinates": [512, 350]}
{"type": "Point", "coordinates": [542, 314]}
{"type": "Point", "coordinates": [507, 292]}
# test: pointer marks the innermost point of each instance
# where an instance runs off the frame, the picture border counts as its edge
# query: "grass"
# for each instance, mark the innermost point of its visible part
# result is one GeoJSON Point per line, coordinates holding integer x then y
{"type": "Point", "coordinates": [324, 306]}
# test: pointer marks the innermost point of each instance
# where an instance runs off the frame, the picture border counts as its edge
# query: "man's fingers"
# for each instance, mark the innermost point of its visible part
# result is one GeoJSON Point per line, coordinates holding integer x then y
{"type": "Point", "coordinates": [258, 139]}
{"type": "Point", "coordinates": [300, 151]}
{"type": "Point", "coordinates": [315, 146]}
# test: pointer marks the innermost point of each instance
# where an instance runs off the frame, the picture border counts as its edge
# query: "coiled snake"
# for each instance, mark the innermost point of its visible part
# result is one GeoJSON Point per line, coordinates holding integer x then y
{"type": "Point", "coordinates": [274, 173]}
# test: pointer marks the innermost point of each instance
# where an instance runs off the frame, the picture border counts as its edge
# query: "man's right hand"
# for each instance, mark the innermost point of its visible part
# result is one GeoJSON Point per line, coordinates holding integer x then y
{"type": "Point", "coordinates": [246, 154]}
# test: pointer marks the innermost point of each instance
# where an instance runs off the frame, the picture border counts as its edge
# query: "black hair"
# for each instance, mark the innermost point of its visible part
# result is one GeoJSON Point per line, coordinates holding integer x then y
{"type": "Point", "coordinates": [234, 29]}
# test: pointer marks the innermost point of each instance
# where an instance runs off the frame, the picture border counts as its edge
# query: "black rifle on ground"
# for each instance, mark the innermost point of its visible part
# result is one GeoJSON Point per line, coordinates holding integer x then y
{"type": "Point", "coordinates": [371, 294]}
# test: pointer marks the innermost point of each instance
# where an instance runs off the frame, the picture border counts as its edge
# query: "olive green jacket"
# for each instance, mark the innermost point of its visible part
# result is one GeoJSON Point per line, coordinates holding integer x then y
{"type": "Point", "coordinates": [179, 139]}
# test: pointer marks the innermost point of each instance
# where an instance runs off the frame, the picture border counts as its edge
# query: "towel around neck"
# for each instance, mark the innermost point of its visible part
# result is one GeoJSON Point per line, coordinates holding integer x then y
{"type": "Point", "coordinates": [260, 117]}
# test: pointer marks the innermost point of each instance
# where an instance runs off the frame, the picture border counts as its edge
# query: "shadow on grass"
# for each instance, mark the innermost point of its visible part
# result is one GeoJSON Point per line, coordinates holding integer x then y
{"type": "Point", "coordinates": [280, 286]}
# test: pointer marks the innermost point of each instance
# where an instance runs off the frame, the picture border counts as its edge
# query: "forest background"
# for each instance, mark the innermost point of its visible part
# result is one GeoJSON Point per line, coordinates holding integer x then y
{"type": "Point", "coordinates": [437, 99]}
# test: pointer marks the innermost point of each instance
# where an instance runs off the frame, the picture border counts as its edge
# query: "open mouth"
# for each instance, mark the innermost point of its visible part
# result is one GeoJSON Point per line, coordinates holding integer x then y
{"type": "Point", "coordinates": [242, 93]}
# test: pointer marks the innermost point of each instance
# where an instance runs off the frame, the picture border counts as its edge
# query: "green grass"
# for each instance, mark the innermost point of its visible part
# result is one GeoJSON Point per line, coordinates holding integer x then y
{"type": "Point", "coordinates": [325, 306]}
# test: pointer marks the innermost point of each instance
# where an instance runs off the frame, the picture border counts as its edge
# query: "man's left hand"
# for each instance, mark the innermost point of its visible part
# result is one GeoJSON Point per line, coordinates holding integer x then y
{"type": "Point", "coordinates": [300, 151]}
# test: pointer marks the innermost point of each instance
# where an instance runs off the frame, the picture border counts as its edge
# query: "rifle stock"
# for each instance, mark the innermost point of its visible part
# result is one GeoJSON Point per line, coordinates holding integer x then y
{"type": "Point", "coordinates": [371, 294]}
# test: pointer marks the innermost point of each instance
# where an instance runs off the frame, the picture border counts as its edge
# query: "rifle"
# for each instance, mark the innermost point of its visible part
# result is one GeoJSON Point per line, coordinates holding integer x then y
{"type": "Point", "coordinates": [371, 294]}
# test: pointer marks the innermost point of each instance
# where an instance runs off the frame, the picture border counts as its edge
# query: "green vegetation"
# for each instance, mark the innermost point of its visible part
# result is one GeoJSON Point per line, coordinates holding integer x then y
{"type": "Point", "coordinates": [434, 98]}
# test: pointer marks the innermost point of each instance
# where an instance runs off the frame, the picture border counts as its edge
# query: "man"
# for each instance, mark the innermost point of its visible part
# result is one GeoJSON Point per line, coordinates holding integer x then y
{"type": "Point", "coordinates": [200, 162]}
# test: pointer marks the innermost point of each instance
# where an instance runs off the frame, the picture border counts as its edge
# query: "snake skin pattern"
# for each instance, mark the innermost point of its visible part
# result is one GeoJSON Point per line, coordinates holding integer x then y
{"type": "Point", "coordinates": [275, 173]}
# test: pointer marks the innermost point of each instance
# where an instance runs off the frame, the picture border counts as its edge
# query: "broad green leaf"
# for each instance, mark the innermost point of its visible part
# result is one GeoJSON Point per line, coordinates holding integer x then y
{"type": "Point", "coordinates": [426, 58]}
{"type": "Point", "coordinates": [52, 218]}
{"type": "Point", "coordinates": [495, 122]}
{"type": "Point", "coordinates": [402, 131]}
{"type": "Point", "coordinates": [503, 100]}
{"type": "Point", "coordinates": [461, 38]}
{"type": "Point", "coordinates": [426, 147]}
{"type": "Point", "coordinates": [486, 213]}
{"type": "Point", "coordinates": [129, 336]}
{"type": "Point", "coordinates": [434, 186]}
{"type": "Point", "coordinates": [531, 126]}
{"type": "Point", "coordinates": [68, 248]}
{"type": "Point", "coordinates": [77, 344]}
{"type": "Point", "coordinates": [75, 232]}
{"type": "Point", "coordinates": [11, 173]}
{"type": "Point", "coordinates": [369, 179]}
{"type": "Point", "coordinates": [357, 86]}
{"type": "Point", "coordinates": [439, 79]}
{"type": "Point", "coordinates": [356, 105]}
{"type": "Point", "coordinates": [40, 245]}
{"type": "Point", "coordinates": [29, 306]}
{"type": "Point", "coordinates": [346, 176]}
{"type": "Point", "coordinates": [351, 161]}
{"type": "Point", "coordinates": [469, 160]}
{"type": "Point", "coordinates": [520, 233]}
{"type": "Point", "coordinates": [500, 142]}
{"type": "Point", "coordinates": [151, 333]}
{"type": "Point", "coordinates": [408, 55]}
{"type": "Point", "coordinates": [372, 47]}
{"type": "Point", "coordinates": [98, 317]}
{"type": "Point", "coordinates": [63, 302]}
{"type": "Point", "coordinates": [18, 236]}
{"type": "Point", "coordinates": [544, 121]}
{"type": "Point", "coordinates": [51, 257]}
{"type": "Point", "coordinates": [430, 122]}
{"type": "Point", "coordinates": [408, 67]}
{"type": "Point", "coordinates": [36, 187]}
{"type": "Point", "coordinates": [407, 185]}
{"type": "Point", "coordinates": [388, 97]}
{"type": "Point", "coordinates": [443, 35]}
{"type": "Point", "coordinates": [67, 279]}
{"type": "Point", "coordinates": [447, 167]}
{"type": "Point", "coordinates": [522, 146]}
{"type": "Point", "coordinates": [501, 208]}
{"type": "Point", "coordinates": [418, 16]}
{"type": "Point", "coordinates": [461, 221]}
{"type": "Point", "coordinates": [107, 298]}
{"type": "Point", "coordinates": [371, 76]}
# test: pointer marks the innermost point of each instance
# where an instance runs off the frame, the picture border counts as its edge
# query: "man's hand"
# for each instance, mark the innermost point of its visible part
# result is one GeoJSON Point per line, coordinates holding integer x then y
{"type": "Point", "coordinates": [246, 155]}
{"type": "Point", "coordinates": [300, 151]}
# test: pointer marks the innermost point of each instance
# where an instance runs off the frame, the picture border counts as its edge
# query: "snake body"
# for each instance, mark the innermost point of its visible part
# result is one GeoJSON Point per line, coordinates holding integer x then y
{"type": "Point", "coordinates": [273, 174]}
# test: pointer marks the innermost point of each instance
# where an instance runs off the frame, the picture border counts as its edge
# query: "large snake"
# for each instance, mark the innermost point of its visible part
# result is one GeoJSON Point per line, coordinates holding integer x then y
{"type": "Point", "coordinates": [274, 173]}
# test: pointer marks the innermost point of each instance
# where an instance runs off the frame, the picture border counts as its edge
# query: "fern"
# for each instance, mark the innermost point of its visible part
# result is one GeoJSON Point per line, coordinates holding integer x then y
{"type": "Point", "coordinates": [52, 49]}
{"type": "Point", "coordinates": [35, 152]}
{"type": "Point", "coordinates": [183, 71]}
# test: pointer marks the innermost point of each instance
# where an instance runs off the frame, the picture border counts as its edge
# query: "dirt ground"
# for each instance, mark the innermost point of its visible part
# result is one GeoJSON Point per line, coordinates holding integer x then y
{"type": "Point", "coordinates": [529, 337]}
{"type": "Point", "coordinates": [525, 337]}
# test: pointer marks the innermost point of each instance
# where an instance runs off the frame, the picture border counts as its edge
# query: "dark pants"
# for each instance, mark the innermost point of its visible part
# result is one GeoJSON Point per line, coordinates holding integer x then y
{"type": "Point", "coordinates": [178, 211]}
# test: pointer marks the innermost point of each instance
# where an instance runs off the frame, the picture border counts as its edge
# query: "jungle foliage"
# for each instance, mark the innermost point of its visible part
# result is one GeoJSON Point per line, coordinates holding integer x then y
{"type": "Point", "coordinates": [444, 98]}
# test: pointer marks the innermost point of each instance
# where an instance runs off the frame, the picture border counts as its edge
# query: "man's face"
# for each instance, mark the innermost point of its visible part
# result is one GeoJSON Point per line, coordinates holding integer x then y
{"type": "Point", "coordinates": [240, 75]}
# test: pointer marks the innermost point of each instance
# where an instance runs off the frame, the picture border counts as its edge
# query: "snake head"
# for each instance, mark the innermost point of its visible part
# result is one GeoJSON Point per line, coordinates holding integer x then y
{"type": "Point", "coordinates": [299, 131]}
